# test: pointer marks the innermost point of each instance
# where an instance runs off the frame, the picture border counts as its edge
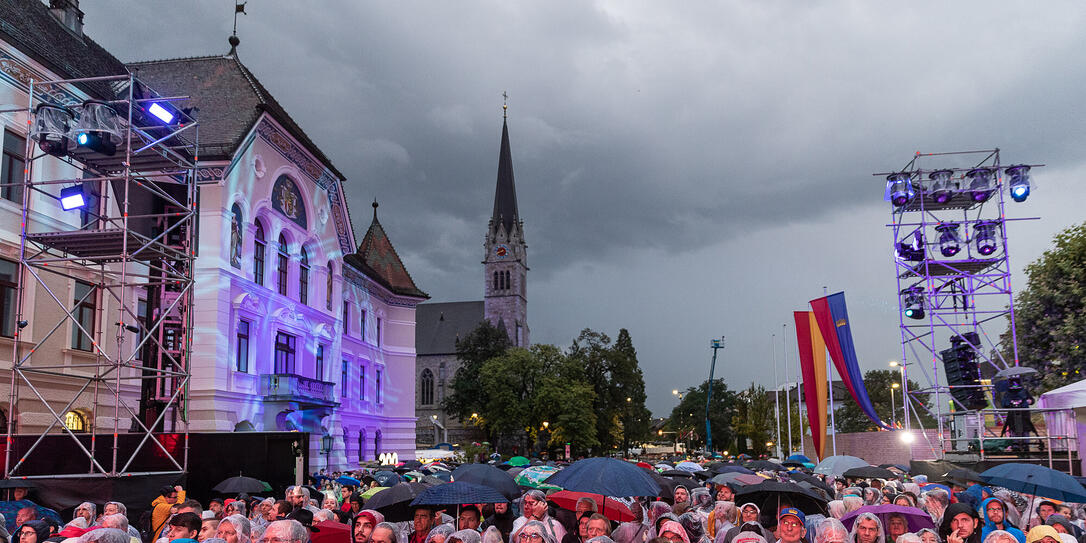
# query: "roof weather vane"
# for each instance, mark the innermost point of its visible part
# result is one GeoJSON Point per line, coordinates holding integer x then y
{"type": "Point", "coordinates": [234, 41]}
{"type": "Point", "coordinates": [505, 105]}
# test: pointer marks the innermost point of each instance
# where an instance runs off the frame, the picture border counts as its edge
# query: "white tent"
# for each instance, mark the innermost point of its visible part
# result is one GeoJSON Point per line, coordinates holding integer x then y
{"type": "Point", "coordinates": [1067, 423]}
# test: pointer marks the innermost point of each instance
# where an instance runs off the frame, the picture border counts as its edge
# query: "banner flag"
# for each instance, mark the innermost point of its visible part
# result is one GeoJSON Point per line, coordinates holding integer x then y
{"type": "Point", "coordinates": [832, 317]}
{"type": "Point", "coordinates": [812, 359]}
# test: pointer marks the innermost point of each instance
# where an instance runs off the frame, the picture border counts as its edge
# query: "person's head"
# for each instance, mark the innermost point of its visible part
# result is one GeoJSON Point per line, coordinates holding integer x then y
{"type": "Point", "coordinates": [501, 508]}
{"type": "Point", "coordinates": [725, 493]}
{"type": "Point", "coordinates": [363, 526]}
{"type": "Point", "coordinates": [285, 531]}
{"type": "Point", "coordinates": [324, 515]}
{"type": "Point", "coordinates": [19, 493]}
{"type": "Point", "coordinates": [682, 495]}
{"type": "Point", "coordinates": [791, 525]}
{"type": "Point", "coordinates": [234, 529]}
{"type": "Point", "coordinates": [116, 521]}
{"type": "Point", "coordinates": [831, 530]}
{"type": "Point", "coordinates": [208, 529]}
{"type": "Point", "coordinates": [281, 510]}
{"type": "Point", "coordinates": [440, 533]}
{"type": "Point", "coordinates": [215, 506]}
{"type": "Point", "coordinates": [1046, 508]}
{"type": "Point", "coordinates": [1065, 510]}
{"type": "Point", "coordinates": [346, 491]}
{"type": "Point", "coordinates": [34, 531]}
{"type": "Point", "coordinates": [329, 501]}
{"type": "Point", "coordinates": [106, 535]}
{"type": "Point", "coordinates": [87, 510]}
{"type": "Point", "coordinates": [582, 525]}
{"type": "Point", "coordinates": [904, 500]}
{"type": "Point", "coordinates": [1061, 523]}
{"type": "Point", "coordinates": [1043, 534]}
{"type": "Point", "coordinates": [169, 493]}
{"type": "Point", "coordinates": [585, 505]}
{"type": "Point", "coordinates": [298, 496]}
{"type": "Point", "coordinates": [673, 532]}
{"type": "Point", "coordinates": [867, 529]}
{"type": "Point", "coordinates": [598, 525]}
{"type": "Point", "coordinates": [748, 513]}
{"type": "Point", "coordinates": [468, 519]}
{"type": "Point", "coordinates": [927, 535]}
{"type": "Point", "coordinates": [184, 525]}
{"type": "Point", "coordinates": [386, 533]}
{"type": "Point", "coordinates": [114, 508]}
{"type": "Point", "coordinates": [191, 506]}
{"type": "Point", "coordinates": [424, 519]}
{"type": "Point", "coordinates": [994, 510]}
{"type": "Point", "coordinates": [534, 505]}
{"type": "Point", "coordinates": [1000, 536]}
{"type": "Point", "coordinates": [534, 531]}
{"type": "Point", "coordinates": [25, 515]}
{"type": "Point", "coordinates": [896, 525]}
{"type": "Point", "coordinates": [963, 524]}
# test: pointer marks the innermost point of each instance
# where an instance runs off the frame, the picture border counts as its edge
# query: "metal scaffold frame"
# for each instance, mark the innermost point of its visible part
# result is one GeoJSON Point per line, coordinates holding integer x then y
{"type": "Point", "coordinates": [959, 293]}
{"type": "Point", "coordinates": [136, 235]}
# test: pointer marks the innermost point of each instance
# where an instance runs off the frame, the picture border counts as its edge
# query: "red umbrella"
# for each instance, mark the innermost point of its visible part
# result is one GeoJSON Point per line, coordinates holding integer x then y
{"type": "Point", "coordinates": [644, 465]}
{"type": "Point", "coordinates": [609, 507]}
{"type": "Point", "coordinates": [330, 531]}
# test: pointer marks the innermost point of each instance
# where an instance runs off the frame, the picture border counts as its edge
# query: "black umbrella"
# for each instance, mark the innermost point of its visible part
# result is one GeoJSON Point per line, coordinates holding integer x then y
{"type": "Point", "coordinates": [800, 476]}
{"type": "Point", "coordinates": [869, 472]}
{"type": "Point", "coordinates": [962, 476]}
{"type": "Point", "coordinates": [771, 494]}
{"type": "Point", "coordinates": [667, 485]}
{"type": "Point", "coordinates": [395, 502]}
{"type": "Point", "coordinates": [765, 465]}
{"type": "Point", "coordinates": [488, 476]}
{"type": "Point", "coordinates": [239, 484]}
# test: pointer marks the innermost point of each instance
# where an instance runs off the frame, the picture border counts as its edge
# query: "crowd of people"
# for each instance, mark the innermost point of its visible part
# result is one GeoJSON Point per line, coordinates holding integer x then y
{"type": "Point", "coordinates": [708, 512]}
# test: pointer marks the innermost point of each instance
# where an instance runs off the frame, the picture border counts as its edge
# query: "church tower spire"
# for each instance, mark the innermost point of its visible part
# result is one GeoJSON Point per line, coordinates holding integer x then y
{"type": "Point", "coordinates": [506, 261]}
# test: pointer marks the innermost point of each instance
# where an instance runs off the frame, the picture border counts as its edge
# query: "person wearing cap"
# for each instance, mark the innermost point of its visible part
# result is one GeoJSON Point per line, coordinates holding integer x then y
{"type": "Point", "coordinates": [1043, 534]}
{"type": "Point", "coordinates": [363, 526]}
{"type": "Point", "coordinates": [304, 517]}
{"type": "Point", "coordinates": [994, 513]}
{"type": "Point", "coordinates": [791, 525]}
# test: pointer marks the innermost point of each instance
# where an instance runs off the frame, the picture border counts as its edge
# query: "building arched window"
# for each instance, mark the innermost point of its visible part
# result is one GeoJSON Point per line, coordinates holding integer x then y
{"type": "Point", "coordinates": [361, 445]}
{"type": "Point", "coordinates": [75, 421]}
{"type": "Point", "coordinates": [427, 384]}
{"type": "Point", "coordinates": [507, 284]}
{"type": "Point", "coordinates": [328, 286]}
{"type": "Point", "coordinates": [303, 276]}
{"type": "Point", "coordinates": [377, 444]}
{"type": "Point", "coordinates": [235, 236]}
{"type": "Point", "coordinates": [259, 249]}
{"type": "Point", "coordinates": [496, 285]}
{"type": "Point", "coordinates": [284, 257]}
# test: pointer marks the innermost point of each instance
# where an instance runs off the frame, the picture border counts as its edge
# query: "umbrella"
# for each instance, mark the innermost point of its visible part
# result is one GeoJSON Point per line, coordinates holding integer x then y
{"type": "Point", "coordinates": [369, 493]}
{"type": "Point", "coordinates": [1014, 371]}
{"type": "Point", "coordinates": [387, 478]}
{"type": "Point", "coordinates": [869, 472]}
{"type": "Point", "coordinates": [611, 508]}
{"type": "Point", "coordinates": [607, 476]}
{"type": "Point", "coordinates": [239, 484]}
{"type": "Point", "coordinates": [442, 475]}
{"type": "Point", "coordinates": [688, 467]}
{"type": "Point", "coordinates": [837, 465]}
{"type": "Point", "coordinates": [488, 476]}
{"type": "Point", "coordinates": [395, 502]}
{"type": "Point", "coordinates": [519, 461]}
{"type": "Point", "coordinates": [412, 464]}
{"type": "Point", "coordinates": [662, 466]}
{"type": "Point", "coordinates": [644, 465]}
{"type": "Point", "coordinates": [799, 458]}
{"type": "Point", "coordinates": [930, 486]}
{"type": "Point", "coordinates": [330, 531]}
{"type": "Point", "coordinates": [768, 496]}
{"type": "Point", "coordinates": [916, 518]}
{"type": "Point", "coordinates": [667, 485]}
{"type": "Point", "coordinates": [1036, 480]}
{"type": "Point", "coordinates": [799, 476]}
{"type": "Point", "coordinates": [458, 493]}
{"type": "Point", "coordinates": [900, 467]}
{"type": "Point", "coordinates": [533, 477]}
{"type": "Point", "coordinates": [793, 464]}
{"type": "Point", "coordinates": [732, 468]}
{"type": "Point", "coordinates": [765, 465]}
{"type": "Point", "coordinates": [738, 479]}
{"type": "Point", "coordinates": [962, 476]}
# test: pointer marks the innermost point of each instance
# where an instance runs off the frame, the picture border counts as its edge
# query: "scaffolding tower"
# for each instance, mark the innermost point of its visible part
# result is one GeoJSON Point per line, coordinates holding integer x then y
{"type": "Point", "coordinates": [132, 249]}
{"type": "Point", "coordinates": [952, 266]}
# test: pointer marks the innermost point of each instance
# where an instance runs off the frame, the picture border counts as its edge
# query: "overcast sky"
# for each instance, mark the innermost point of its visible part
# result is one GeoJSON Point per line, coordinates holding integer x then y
{"type": "Point", "coordinates": [684, 170]}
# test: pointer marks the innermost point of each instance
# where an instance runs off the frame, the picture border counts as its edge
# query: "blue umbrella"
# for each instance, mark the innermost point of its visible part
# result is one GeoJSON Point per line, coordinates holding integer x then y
{"type": "Point", "coordinates": [605, 476]}
{"type": "Point", "coordinates": [1036, 480]}
{"type": "Point", "coordinates": [733, 469]}
{"type": "Point", "coordinates": [458, 493]}
{"type": "Point", "coordinates": [387, 478]}
{"type": "Point", "coordinates": [346, 480]}
{"type": "Point", "coordinates": [799, 458]}
{"type": "Point", "coordinates": [488, 476]}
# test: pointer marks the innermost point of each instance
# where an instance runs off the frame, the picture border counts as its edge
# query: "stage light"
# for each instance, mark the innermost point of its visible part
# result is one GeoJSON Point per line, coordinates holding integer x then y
{"type": "Point", "coordinates": [162, 113]}
{"type": "Point", "coordinates": [98, 128]}
{"type": "Point", "coordinates": [72, 197]}
{"type": "Point", "coordinates": [949, 242]}
{"type": "Point", "coordinates": [900, 187]}
{"type": "Point", "coordinates": [984, 235]}
{"type": "Point", "coordinates": [913, 252]}
{"type": "Point", "coordinates": [1019, 182]}
{"type": "Point", "coordinates": [907, 437]}
{"type": "Point", "coordinates": [941, 188]}
{"type": "Point", "coordinates": [980, 184]}
{"type": "Point", "coordinates": [912, 300]}
{"type": "Point", "coordinates": [50, 129]}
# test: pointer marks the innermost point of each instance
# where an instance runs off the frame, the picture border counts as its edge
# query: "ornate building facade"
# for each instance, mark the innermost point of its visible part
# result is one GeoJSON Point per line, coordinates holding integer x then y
{"type": "Point", "coordinates": [504, 304]}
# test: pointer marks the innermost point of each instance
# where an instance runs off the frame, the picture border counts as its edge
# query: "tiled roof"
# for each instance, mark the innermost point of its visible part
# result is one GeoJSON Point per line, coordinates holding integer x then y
{"type": "Point", "coordinates": [28, 25]}
{"type": "Point", "coordinates": [230, 99]}
{"type": "Point", "coordinates": [377, 258]}
{"type": "Point", "coordinates": [439, 325]}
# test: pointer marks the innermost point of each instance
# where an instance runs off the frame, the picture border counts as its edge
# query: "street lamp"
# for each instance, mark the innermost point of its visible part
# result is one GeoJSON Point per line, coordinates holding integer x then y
{"type": "Point", "coordinates": [904, 392]}
{"type": "Point", "coordinates": [326, 447]}
{"type": "Point", "coordinates": [893, 407]}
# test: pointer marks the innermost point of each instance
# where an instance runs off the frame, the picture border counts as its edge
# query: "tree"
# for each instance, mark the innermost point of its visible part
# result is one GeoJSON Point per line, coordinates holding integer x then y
{"type": "Point", "coordinates": [688, 418]}
{"type": "Point", "coordinates": [850, 418]}
{"type": "Point", "coordinates": [754, 420]}
{"type": "Point", "coordinates": [629, 383]}
{"type": "Point", "coordinates": [466, 395]}
{"type": "Point", "coordinates": [1050, 312]}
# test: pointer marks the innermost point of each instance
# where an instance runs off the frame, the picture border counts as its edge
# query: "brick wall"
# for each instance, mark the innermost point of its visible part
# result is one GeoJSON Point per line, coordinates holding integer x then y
{"type": "Point", "coordinates": [880, 447]}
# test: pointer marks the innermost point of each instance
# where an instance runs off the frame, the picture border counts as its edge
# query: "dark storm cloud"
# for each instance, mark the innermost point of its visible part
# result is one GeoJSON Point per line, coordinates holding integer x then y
{"type": "Point", "coordinates": [650, 140]}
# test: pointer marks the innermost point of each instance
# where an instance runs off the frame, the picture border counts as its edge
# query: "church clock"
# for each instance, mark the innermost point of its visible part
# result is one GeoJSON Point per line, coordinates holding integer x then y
{"type": "Point", "coordinates": [501, 251]}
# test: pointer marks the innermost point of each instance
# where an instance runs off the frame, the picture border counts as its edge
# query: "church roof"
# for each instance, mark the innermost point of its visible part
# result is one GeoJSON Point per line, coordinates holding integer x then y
{"type": "Point", "coordinates": [377, 258]}
{"type": "Point", "coordinates": [230, 98]}
{"type": "Point", "coordinates": [505, 194]}
{"type": "Point", "coordinates": [28, 25]}
{"type": "Point", "coordinates": [439, 325]}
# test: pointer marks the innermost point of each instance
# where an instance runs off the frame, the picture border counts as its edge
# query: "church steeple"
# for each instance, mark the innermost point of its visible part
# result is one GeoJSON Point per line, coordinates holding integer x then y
{"type": "Point", "coordinates": [506, 262]}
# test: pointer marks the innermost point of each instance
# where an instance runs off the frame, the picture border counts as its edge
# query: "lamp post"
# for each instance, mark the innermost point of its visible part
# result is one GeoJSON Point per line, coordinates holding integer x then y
{"type": "Point", "coordinates": [893, 407]}
{"type": "Point", "coordinates": [546, 428]}
{"type": "Point", "coordinates": [904, 392]}
{"type": "Point", "coordinates": [326, 448]}
{"type": "Point", "coordinates": [626, 429]}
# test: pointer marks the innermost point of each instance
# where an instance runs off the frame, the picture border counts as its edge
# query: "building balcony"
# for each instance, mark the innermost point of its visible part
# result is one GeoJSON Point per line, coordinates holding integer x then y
{"type": "Point", "coordinates": [306, 393]}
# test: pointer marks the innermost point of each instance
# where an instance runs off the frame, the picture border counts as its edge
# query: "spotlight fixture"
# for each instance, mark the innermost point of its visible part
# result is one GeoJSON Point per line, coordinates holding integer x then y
{"type": "Point", "coordinates": [22, 324]}
{"type": "Point", "coordinates": [980, 184]}
{"type": "Point", "coordinates": [984, 235]}
{"type": "Point", "coordinates": [949, 242]}
{"type": "Point", "coordinates": [941, 188]}
{"type": "Point", "coordinates": [72, 197]}
{"type": "Point", "coordinates": [912, 300]}
{"type": "Point", "coordinates": [162, 113]}
{"type": "Point", "coordinates": [50, 128]}
{"type": "Point", "coordinates": [913, 252]}
{"type": "Point", "coordinates": [1019, 182]}
{"type": "Point", "coordinates": [98, 128]}
{"type": "Point", "coordinates": [900, 188]}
